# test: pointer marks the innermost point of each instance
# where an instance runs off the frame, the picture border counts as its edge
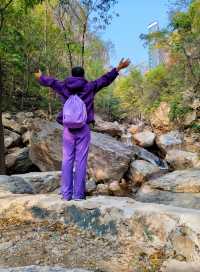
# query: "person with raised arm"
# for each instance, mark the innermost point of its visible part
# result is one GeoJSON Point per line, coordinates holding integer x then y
{"type": "Point", "coordinates": [77, 95]}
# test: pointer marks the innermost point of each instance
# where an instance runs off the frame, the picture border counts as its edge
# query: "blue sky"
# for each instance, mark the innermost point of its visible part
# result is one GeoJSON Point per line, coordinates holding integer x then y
{"type": "Point", "coordinates": [124, 31]}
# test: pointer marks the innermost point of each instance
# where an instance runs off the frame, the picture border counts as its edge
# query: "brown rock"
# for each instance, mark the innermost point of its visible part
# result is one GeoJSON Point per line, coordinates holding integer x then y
{"type": "Point", "coordinates": [160, 117]}
{"type": "Point", "coordinates": [179, 159]}
{"type": "Point", "coordinates": [141, 171]}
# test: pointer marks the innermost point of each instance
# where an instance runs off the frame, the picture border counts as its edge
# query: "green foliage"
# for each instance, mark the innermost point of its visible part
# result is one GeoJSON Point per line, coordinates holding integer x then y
{"type": "Point", "coordinates": [31, 38]}
{"type": "Point", "coordinates": [139, 95]}
{"type": "Point", "coordinates": [178, 110]}
{"type": "Point", "coordinates": [195, 127]}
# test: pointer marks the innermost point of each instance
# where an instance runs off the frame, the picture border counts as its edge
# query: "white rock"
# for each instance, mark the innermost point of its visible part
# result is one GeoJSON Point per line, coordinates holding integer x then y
{"type": "Point", "coordinates": [144, 139]}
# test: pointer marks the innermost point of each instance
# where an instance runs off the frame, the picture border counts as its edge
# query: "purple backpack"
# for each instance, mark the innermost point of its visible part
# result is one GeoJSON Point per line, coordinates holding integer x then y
{"type": "Point", "coordinates": [74, 112]}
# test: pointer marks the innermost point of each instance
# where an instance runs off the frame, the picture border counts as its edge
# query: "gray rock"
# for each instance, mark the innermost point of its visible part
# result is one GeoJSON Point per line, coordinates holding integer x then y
{"type": "Point", "coordinates": [143, 154]}
{"type": "Point", "coordinates": [179, 188]}
{"type": "Point", "coordinates": [111, 128]}
{"type": "Point", "coordinates": [170, 140]}
{"type": "Point", "coordinates": [180, 181]}
{"type": "Point", "coordinates": [15, 185]}
{"type": "Point", "coordinates": [145, 138]}
{"type": "Point", "coordinates": [46, 145]}
{"type": "Point", "coordinates": [90, 186]}
{"type": "Point", "coordinates": [42, 182]}
{"type": "Point", "coordinates": [141, 171]}
{"type": "Point", "coordinates": [108, 159]}
{"type": "Point", "coordinates": [185, 200]}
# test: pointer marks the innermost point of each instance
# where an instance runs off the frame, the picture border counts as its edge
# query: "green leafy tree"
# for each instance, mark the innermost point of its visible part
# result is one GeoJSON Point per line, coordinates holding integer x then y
{"type": "Point", "coordinates": [5, 13]}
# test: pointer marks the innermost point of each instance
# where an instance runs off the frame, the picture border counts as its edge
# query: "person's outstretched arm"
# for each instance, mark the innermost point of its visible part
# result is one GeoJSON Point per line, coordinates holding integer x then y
{"type": "Point", "coordinates": [109, 77]}
{"type": "Point", "coordinates": [47, 81]}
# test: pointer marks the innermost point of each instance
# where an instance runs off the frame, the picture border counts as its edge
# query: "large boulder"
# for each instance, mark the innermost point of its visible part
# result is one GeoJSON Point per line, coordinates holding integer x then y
{"type": "Point", "coordinates": [170, 140]}
{"type": "Point", "coordinates": [42, 182]}
{"type": "Point", "coordinates": [179, 188]}
{"type": "Point", "coordinates": [140, 171]}
{"type": "Point", "coordinates": [108, 159]}
{"type": "Point", "coordinates": [128, 235]}
{"type": "Point", "coordinates": [18, 161]}
{"type": "Point", "coordinates": [144, 139]}
{"type": "Point", "coordinates": [160, 118]}
{"type": "Point", "coordinates": [46, 145]}
{"type": "Point", "coordinates": [179, 159]}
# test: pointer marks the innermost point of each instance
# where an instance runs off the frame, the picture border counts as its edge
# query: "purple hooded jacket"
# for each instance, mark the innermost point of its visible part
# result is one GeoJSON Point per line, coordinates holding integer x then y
{"type": "Point", "coordinates": [79, 85]}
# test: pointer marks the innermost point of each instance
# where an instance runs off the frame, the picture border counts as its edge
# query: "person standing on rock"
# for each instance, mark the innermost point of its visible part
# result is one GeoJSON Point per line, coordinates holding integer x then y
{"type": "Point", "coordinates": [76, 140]}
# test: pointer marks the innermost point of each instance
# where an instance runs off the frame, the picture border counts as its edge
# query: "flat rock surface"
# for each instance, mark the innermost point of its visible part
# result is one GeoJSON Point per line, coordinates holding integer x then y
{"type": "Point", "coordinates": [105, 233]}
{"type": "Point", "coordinates": [34, 268]}
{"type": "Point", "coordinates": [42, 182]}
{"type": "Point", "coordinates": [180, 181]}
{"type": "Point", "coordinates": [177, 266]}
{"type": "Point", "coordinates": [179, 188]}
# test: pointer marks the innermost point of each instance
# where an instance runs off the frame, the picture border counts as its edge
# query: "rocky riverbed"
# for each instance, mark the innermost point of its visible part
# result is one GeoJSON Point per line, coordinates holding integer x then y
{"type": "Point", "coordinates": [141, 213]}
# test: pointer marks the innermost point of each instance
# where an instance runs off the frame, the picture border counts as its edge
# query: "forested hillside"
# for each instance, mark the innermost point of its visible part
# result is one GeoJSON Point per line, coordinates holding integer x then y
{"type": "Point", "coordinates": [178, 80]}
{"type": "Point", "coordinates": [53, 36]}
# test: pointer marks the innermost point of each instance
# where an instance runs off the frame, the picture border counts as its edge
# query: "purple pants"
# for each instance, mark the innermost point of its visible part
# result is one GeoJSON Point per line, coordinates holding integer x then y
{"type": "Point", "coordinates": [75, 152]}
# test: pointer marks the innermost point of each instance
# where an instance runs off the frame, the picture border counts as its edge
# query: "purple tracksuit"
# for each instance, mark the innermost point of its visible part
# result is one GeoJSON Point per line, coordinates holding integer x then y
{"type": "Point", "coordinates": [76, 141]}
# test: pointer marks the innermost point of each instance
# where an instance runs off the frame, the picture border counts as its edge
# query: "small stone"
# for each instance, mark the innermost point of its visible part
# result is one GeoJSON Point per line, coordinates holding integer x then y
{"type": "Point", "coordinates": [90, 186]}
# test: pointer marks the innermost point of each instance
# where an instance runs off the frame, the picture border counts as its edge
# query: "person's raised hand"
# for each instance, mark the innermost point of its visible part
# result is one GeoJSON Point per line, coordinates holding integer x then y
{"type": "Point", "coordinates": [123, 64]}
{"type": "Point", "coordinates": [38, 74]}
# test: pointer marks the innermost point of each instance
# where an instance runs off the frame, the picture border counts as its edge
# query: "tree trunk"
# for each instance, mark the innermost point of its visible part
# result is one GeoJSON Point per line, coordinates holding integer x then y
{"type": "Point", "coordinates": [83, 44]}
{"type": "Point", "coordinates": [2, 148]}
